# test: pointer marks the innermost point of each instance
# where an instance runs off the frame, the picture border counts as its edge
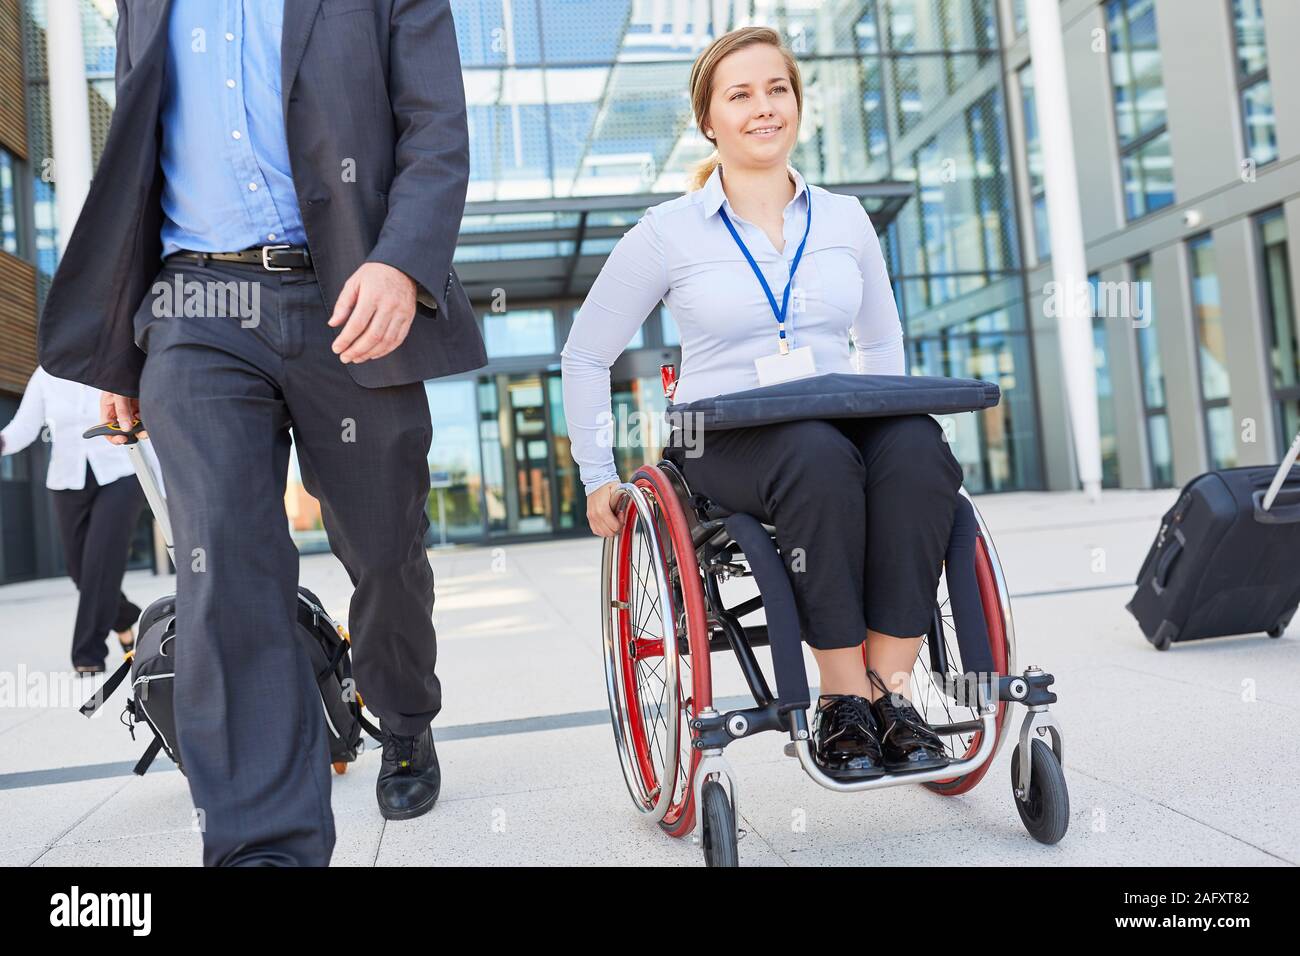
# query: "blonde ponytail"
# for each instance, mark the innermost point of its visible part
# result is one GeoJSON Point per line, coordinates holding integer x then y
{"type": "Point", "coordinates": [702, 171]}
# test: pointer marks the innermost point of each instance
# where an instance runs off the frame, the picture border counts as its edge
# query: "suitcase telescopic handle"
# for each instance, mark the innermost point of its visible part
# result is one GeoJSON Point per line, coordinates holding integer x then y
{"type": "Point", "coordinates": [148, 483]}
{"type": "Point", "coordinates": [1283, 472]}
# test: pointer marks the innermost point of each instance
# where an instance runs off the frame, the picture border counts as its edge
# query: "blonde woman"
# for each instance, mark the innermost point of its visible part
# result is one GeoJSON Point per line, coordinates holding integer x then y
{"type": "Point", "coordinates": [767, 276]}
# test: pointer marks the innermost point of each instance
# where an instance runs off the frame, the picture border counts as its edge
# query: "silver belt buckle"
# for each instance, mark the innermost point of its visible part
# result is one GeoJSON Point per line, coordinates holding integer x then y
{"type": "Point", "coordinates": [266, 259]}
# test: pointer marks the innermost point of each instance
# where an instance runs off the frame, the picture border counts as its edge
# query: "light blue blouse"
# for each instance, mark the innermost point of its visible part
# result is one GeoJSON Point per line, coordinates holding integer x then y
{"type": "Point", "coordinates": [680, 252]}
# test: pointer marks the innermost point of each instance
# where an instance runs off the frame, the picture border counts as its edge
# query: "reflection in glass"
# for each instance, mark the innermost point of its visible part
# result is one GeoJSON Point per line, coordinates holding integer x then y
{"type": "Point", "coordinates": [8, 205]}
{"type": "Point", "coordinates": [454, 470]}
{"type": "Point", "coordinates": [1280, 315]}
{"type": "Point", "coordinates": [1034, 162]}
{"type": "Point", "coordinates": [1208, 317]}
{"type": "Point", "coordinates": [1105, 398]}
{"type": "Point", "coordinates": [1213, 358]}
{"type": "Point", "coordinates": [1148, 177]}
{"type": "Point", "coordinates": [638, 405]}
{"type": "Point", "coordinates": [516, 445]}
{"type": "Point", "coordinates": [997, 448]}
{"type": "Point", "coordinates": [1162, 456]}
{"type": "Point", "coordinates": [1135, 68]}
{"type": "Point", "coordinates": [1261, 123]}
{"type": "Point", "coordinates": [519, 332]}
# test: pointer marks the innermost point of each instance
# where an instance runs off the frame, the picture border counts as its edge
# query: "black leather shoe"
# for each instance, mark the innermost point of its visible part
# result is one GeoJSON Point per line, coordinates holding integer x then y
{"type": "Point", "coordinates": [409, 776]}
{"type": "Point", "coordinates": [846, 737]}
{"type": "Point", "coordinates": [907, 743]}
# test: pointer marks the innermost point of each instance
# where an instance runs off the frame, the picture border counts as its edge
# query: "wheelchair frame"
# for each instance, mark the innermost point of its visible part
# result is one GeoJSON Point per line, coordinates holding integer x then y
{"type": "Point", "coordinates": [713, 556]}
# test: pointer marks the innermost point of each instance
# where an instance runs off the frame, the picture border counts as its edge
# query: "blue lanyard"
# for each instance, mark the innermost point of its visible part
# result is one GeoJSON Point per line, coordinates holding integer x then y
{"type": "Point", "coordinates": [779, 312]}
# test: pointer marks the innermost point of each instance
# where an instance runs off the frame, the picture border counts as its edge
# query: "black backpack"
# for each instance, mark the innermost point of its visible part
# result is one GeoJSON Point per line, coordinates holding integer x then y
{"type": "Point", "coordinates": [151, 666]}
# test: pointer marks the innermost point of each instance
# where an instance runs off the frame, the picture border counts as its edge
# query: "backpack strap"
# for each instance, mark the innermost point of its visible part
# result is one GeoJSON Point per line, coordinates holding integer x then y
{"type": "Point", "coordinates": [368, 727]}
{"type": "Point", "coordinates": [334, 662]}
{"type": "Point", "coordinates": [106, 689]}
{"type": "Point", "coordinates": [150, 752]}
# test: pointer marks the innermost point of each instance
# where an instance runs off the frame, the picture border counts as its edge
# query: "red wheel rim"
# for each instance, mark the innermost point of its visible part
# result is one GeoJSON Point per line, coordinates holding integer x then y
{"type": "Point", "coordinates": [684, 580]}
{"type": "Point", "coordinates": [995, 621]}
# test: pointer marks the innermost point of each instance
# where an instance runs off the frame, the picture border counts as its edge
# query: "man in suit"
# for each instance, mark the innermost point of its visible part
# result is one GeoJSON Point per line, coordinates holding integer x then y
{"type": "Point", "coordinates": [312, 156]}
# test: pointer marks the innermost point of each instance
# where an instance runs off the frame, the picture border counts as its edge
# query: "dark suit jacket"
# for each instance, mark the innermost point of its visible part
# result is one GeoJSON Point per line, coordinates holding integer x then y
{"type": "Point", "coordinates": [374, 82]}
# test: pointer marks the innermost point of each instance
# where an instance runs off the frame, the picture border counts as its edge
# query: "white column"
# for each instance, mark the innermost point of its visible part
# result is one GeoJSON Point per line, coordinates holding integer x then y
{"type": "Point", "coordinates": [69, 113]}
{"type": "Point", "coordinates": [1069, 270]}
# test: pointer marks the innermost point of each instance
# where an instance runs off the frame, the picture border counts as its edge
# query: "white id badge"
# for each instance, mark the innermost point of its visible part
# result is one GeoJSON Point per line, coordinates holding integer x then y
{"type": "Point", "coordinates": [797, 363]}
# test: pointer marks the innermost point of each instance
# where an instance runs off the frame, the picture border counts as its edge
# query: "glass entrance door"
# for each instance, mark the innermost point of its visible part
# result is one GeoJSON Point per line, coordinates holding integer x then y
{"type": "Point", "coordinates": [515, 435]}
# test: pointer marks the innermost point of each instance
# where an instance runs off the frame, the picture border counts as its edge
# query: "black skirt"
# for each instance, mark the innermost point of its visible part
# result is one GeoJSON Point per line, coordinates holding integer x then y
{"type": "Point", "coordinates": [863, 510]}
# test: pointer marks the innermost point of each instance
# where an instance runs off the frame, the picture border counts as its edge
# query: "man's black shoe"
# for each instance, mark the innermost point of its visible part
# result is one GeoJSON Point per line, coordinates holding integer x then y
{"type": "Point", "coordinates": [846, 738]}
{"type": "Point", "coordinates": [409, 777]}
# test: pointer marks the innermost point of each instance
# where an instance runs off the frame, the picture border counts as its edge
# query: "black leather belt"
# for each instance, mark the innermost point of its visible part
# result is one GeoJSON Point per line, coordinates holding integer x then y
{"type": "Point", "coordinates": [281, 258]}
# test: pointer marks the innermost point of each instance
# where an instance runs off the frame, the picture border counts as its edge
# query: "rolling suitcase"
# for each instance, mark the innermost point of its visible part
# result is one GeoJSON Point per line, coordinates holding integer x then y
{"type": "Point", "coordinates": [1225, 560]}
{"type": "Point", "coordinates": [151, 665]}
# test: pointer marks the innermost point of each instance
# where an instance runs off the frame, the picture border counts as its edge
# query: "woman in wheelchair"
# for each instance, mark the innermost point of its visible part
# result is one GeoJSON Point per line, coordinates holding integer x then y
{"type": "Point", "coordinates": [763, 290]}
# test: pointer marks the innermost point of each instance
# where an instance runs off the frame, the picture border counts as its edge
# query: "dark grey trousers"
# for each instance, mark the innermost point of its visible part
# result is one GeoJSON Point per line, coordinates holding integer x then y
{"type": "Point", "coordinates": [219, 395]}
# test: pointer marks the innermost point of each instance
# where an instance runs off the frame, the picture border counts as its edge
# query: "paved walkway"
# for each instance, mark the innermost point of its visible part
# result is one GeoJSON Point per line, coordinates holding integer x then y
{"type": "Point", "coordinates": [1183, 758]}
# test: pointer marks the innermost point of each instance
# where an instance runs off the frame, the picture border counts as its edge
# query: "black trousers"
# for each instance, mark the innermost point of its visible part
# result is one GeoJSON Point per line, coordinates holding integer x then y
{"type": "Point", "coordinates": [95, 525]}
{"type": "Point", "coordinates": [220, 395]}
{"type": "Point", "coordinates": [863, 510]}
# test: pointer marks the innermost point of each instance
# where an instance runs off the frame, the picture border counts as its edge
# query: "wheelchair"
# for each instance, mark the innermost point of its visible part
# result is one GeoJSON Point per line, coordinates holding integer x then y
{"type": "Point", "coordinates": [664, 615]}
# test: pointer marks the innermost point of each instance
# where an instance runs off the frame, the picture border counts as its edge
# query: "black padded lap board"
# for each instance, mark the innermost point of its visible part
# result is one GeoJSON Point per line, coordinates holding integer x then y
{"type": "Point", "coordinates": [837, 395]}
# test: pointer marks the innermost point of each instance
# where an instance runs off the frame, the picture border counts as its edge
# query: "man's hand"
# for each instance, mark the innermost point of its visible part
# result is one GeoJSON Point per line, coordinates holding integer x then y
{"type": "Point", "coordinates": [601, 515]}
{"type": "Point", "coordinates": [120, 408]}
{"type": "Point", "coordinates": [377, 303]}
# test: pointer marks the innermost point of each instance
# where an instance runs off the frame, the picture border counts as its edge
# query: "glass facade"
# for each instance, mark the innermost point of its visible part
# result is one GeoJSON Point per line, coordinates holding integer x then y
{"type": "Point", "coordinates": [8, 203]}
{"type": "Point", "coordinates": [586, 102]}
{"type": "Point", "coordinates": [1108, 436]}
{"type": "Point", "coordinates": [579, 118]}
{"type": "Point", "coordinates": [1280, 317]}
{"type": "Point", "coordinates": [1256, 95]}
{"type": "Point", "coordinates": [1212, 363]}
{"type": "Point", "coordinates": [1139, 91]}
{"type": "Point", "coordinates": [1151, 371]}
{"type": "Point", "coordinates": [1034, 164]}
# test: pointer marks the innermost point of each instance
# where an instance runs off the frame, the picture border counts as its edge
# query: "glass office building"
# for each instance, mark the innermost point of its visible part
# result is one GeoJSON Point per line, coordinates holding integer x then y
{"type": "Point", "coordinates": [580, 118]}
{"type": "Point", "coordinates": [925, 111]}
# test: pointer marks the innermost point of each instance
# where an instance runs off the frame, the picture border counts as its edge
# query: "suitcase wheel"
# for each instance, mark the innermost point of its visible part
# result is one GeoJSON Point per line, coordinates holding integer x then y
{"type": "Point", "coordinates": [340, 766]}
{"type": "Point", "coordinates": [1164, 636]}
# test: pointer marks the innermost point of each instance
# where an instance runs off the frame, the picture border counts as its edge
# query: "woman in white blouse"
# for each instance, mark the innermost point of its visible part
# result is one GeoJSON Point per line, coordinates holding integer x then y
{"type": "Point", "coordinates": [97, 501]}
{"type": "Point", "coordinates": [867, 504]}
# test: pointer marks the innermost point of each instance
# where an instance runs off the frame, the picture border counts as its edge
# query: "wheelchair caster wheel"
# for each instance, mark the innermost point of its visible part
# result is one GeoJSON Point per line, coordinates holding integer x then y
{"type": "Point", "coordinates": [1045, 811]}
{"type": "Point", "coordinates": [340, 767]}
{"type": "Point", "coordinates": [718, 825]}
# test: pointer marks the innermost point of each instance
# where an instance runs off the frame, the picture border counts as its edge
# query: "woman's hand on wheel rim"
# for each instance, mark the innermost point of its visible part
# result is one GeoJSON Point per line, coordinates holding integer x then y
{"type": "Point", "coordinates": [600, 510]}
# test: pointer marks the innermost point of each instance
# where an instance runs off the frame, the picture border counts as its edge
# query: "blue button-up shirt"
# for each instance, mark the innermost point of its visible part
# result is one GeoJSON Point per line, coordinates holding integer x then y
{"type": "Point", "coordinates": [225, 160]}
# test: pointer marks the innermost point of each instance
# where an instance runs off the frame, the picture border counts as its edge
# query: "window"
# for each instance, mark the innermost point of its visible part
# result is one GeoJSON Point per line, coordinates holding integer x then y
{"type": "Point", "coordinates": [1279, 313]}
{"type": "Point", "coordinates": [1212, 355]}
{"type": "Point", "coordinates": [8, 204]}
{"type": "Point", "coordinates": [1153, 379]}
{"type": "Point", "coordinates": [521, 332]}
{"type": "Point", "coordinates": [668, 325]}
{"type": "Point", "coordinates": [1034, 162]}
{"type": "Point", "coordinates": [1258, 121]}
{"type": "Point", "coordinates": [1105, 395]}
{"type": "Point", "coordinates": [1138, 82]}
